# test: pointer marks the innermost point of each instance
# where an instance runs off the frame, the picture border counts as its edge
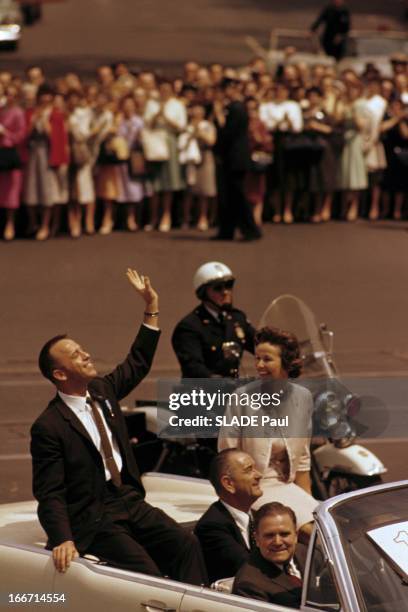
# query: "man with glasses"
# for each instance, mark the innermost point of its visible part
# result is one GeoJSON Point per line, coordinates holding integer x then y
{"type": "Point", "coordinates": [210, 340]}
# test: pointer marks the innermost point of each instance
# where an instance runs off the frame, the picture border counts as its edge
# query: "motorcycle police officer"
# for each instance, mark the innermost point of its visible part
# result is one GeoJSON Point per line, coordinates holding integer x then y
{"type": "Point", "coordinates": [210, 340]}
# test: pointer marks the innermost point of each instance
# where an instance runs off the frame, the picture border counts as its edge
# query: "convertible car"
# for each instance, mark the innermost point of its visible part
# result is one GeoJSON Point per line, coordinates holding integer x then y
{"type": "Point", "coordinates": [357, 559]}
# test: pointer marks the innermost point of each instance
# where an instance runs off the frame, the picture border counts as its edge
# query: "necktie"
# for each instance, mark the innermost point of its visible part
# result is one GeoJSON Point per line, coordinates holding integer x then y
{"type": "Point", "coordinates": [251, 533]}
{"type": "Point", "coordinates": [295, 580]}
{"type": "Point", "coordinates": [106, 445]}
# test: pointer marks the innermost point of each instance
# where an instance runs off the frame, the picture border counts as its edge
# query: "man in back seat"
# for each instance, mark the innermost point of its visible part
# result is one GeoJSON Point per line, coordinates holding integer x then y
{"type": "Point", "coordinates": [225, 530]}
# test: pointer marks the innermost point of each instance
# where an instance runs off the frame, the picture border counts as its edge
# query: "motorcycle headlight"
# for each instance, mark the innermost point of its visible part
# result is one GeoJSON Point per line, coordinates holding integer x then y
{"type": "Point", "coordinates": [329, 409]}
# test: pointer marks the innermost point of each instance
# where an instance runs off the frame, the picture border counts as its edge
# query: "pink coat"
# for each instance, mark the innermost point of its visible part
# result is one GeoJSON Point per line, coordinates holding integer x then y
{"type": "Point", "coordinates": [13, 121]}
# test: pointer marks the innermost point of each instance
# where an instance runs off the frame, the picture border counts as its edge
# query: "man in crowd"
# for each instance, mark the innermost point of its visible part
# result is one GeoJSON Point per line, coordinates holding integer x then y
{"type": "Point", "coordinates": [233, 152]}
{"type": "Point", "coordinates": [273, 572]}
{"type": "Point", "coordinates": [210, 340]}
{"type": "Point", "coordinates": [336, 21]}
{"type": "Point", "coordinates": [225, 530]}
{"type": "Point", "coordinates": [85, 478]}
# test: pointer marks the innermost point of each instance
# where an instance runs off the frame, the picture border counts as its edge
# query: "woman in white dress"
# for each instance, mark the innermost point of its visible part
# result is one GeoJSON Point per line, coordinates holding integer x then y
{"type": "Point", "coordinates": [168, 117]}
{"type": "Point", "coordinates": [82, 182]}
{"type": "Point", "coordinates": [283, 457]}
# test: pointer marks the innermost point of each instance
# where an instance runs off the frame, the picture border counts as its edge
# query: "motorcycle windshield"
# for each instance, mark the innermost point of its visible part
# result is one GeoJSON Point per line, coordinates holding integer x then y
{"type": "Point", "coordinates": [289, 313]}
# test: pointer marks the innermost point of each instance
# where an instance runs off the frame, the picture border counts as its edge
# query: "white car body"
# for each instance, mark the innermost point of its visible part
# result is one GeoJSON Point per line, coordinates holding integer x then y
{"type": "Point", "coordinates": [27, 569]}
{"type": "Point", "coordinates": [10, 22]}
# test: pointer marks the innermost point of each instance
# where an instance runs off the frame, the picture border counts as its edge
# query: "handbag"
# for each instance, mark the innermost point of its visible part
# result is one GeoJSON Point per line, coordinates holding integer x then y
{"type": "Point", "coordinates": [301, 149]}
{"type": "Point", "coordinates": [9, 159]}
{"type": "Point", "coordinates": [136, 163]}
{"type": "Point", "coordinates": [260, 161]}
{"type": "Point", "coordinates": [114, 150]}
{"type": "Point", "coordinates": [402, 155]}
{"type": "Point", "coordinates": [80, 153]}
{"type": "Point", "coordinates": [155, 146]}
{"type": "Point", "coordinates": [189, 151]}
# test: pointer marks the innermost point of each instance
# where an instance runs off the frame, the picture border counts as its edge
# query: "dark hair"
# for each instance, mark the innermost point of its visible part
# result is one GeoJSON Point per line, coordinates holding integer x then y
{"type": "Point", "coordinates": [273, 509]}
{"type": "Point", "coordinates": [45, 89]}
{"type": "Point", "coordinates": [314, 90]}
{"type": "Point", "coordinates": [45, 361]}
{"type": "Point", "coordinates": [220, 466]}
{"type": "Point", "coordinates": [288, 344]}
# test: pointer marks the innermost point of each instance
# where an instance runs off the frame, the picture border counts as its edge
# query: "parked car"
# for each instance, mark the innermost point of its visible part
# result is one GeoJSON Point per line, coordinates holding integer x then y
{"type": "Point", "coordinates": [356, 561]}
{"type": "Point", "coordinates": [10, 24]}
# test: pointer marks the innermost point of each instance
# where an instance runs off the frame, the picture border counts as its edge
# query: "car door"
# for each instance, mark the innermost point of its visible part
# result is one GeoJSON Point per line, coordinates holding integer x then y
{"type": "Point", "coordinates": [92, 587]}
{"type": "Point", "coordinates": [207, 600]}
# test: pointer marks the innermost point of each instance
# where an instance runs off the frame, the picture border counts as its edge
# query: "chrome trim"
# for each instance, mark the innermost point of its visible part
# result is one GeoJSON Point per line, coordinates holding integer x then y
{"type": "Point", "coordinates": [335, 553]}
{"type": "Point", "coordinates": [325, 506]}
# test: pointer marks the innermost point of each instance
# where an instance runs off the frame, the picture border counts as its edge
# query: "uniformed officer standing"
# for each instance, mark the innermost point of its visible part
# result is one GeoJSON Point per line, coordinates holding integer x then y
{"type": "Point", "coordinates": [210, 340]}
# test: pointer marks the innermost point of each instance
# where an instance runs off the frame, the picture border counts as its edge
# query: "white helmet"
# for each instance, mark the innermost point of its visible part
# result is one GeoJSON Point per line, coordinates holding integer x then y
{"type": "Point", "coordinates": [210, 272]}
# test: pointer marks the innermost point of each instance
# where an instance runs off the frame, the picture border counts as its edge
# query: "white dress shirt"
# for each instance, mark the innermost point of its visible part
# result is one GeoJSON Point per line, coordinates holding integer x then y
{"type": "Point", "coordinates": [83, 412]}
{"type": "Point", "coordinates": [242, 520]}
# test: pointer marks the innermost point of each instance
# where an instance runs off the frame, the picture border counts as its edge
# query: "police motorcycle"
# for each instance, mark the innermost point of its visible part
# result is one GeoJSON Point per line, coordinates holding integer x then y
{"type": "Point", "coordinates": [339, 463]}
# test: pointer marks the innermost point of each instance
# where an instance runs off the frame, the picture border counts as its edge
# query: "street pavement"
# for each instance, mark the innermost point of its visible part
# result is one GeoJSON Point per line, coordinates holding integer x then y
{"type": "Point", "coordinates": [353, 276]}
{"type": "Point", "coordinates": [78, 34]}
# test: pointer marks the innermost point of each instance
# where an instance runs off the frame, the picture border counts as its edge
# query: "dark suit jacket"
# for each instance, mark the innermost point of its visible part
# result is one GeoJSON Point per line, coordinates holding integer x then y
{"type": "Point", "coordinates": [263, 580]}
{"type": "Point", "coordinates": [68, 472]}
{"type": "Point", "coordinates": [233, 140]}
{"type": "Point", "coordinates": [221, 541]}
{"type": "Point", "coordinates": [197, 341]}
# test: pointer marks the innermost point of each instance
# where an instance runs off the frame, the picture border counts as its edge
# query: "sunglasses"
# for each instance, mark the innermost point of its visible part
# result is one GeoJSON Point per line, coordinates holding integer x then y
{"type": "Point", "coordinates": [222, 286]}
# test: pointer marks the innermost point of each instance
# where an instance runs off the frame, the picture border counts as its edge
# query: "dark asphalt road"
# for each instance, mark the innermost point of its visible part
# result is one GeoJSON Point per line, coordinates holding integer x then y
{"type": "Point", "coordinates": [354, 276]}
{"type": "Point", "coordinates": [77, 34]}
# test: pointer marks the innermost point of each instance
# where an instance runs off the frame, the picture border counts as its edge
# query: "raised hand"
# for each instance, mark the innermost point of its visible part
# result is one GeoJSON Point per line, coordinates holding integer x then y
{"type": "Point", "coordinates": [143, 287]}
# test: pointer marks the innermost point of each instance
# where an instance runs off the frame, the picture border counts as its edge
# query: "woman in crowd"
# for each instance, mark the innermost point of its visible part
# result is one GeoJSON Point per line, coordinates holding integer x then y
{"type": "Point", "coordinates": [12, 133]}
{"type": "Point", "coordinates": [394, 130]}
{"type": "Point", "coordinates": [46, 173]}
{"type": "Point", "coordinates": [103, 130]}
{"type": "Point", "coordinates": [375, 160]}
{"type": "Point", "coordinates": [260, 142]}
{"type": "Point", "coordinates": [131, 190]}
{"type": "Point", "coordinates": [200, 173]}
{"type": "Point", "coordinates": [282, 457]}
{"type": "Point", "coordinates": [319, 160]}
{"type": "Point", "coordinates": [82, 183]}
{"type": "Point", "coordinates": [283, 117]}
{"type": "Point", "coordinates": [167, 117]}
{"type": "Point", "coordinates": [352, 177]}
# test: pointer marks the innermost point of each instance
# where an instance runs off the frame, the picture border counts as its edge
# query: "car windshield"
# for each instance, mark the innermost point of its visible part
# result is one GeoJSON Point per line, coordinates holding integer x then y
{"type": "Point", "coordinates": [374, 533]}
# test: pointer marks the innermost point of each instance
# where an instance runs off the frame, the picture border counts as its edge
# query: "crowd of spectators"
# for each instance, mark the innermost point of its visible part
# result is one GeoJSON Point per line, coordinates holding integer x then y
{"type": "Point", "coordinates": [134, 150]}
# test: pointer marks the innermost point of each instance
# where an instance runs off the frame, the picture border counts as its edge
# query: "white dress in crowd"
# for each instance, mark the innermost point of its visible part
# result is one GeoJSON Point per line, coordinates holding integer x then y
{"type": "Point", "coordinates": [373, 147]}
{"type": "Point", "coordinates": [80, 122]}
{"type": "Point", "coordinates": [168, 175]}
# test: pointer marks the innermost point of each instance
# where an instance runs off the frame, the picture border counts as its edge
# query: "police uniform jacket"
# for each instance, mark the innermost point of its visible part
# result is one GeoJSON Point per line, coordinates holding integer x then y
{"type": "Point", "coordinates": [198, 338]}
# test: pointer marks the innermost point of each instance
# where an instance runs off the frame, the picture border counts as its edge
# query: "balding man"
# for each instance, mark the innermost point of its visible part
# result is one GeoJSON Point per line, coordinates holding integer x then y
{"type": "Point", "coordinates": [225, 530]}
